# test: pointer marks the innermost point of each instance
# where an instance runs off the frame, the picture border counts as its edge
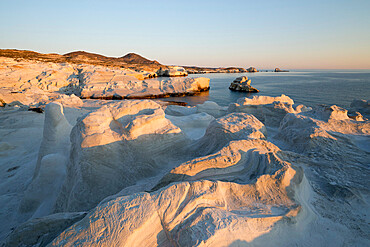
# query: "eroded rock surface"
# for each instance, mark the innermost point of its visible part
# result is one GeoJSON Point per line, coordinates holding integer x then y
{"type": "Point", "coordinates": [115, 147]}
{"type": "Point", "coordinates": [34, 83]}
{"type": "Point", "coordinates": [269, 110]}
{"type": "Point", "coordinates": [261, 170]}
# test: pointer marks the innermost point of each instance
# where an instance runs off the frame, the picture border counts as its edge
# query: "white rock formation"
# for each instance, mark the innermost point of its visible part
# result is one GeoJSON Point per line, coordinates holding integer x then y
{"type": "Point", "coordinates": [172, 71]}
{"type": "Point", "coordinates": [187, 176]}
{"type": "Point", "coordinates": [323, 128]}
{"type": "Point", "coordinates": [212, 108]}
{"type": "Point", "coordinates": [176, 110]}
{"type": "Point", "coordinates": [115, 147]}
{"type": "Point", "coordinates": [194, 125]}
{"type": "Point", "coordinates": [34, 82]}
{"type": "Point", "coordinates": [126, 87]}
{"type": "Point", "coordinates": [234, 126]}
{"type": "Point", "coordinates": [269, 110]}
{"type": "Point", "coordinates": [190, 214]}
{"type": "Point", "coordinates": [69, 100]}
{"type": "Point", "coordinates": [50, 172]}
{"type": "Point", "coordinates": [239, 161]}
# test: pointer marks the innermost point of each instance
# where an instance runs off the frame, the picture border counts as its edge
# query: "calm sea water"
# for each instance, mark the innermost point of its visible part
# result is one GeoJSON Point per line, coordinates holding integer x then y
{"type": "Point", "coordinates": [304, 87]}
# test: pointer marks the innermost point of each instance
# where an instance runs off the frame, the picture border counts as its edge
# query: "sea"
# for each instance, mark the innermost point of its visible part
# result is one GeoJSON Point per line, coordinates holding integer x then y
{"type": "Point", "coordinates": [309, 87]}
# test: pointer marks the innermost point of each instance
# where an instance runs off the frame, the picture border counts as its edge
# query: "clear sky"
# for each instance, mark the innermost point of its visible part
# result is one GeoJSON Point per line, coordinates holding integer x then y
{"type": "Point", "coordinates": [315, 34]}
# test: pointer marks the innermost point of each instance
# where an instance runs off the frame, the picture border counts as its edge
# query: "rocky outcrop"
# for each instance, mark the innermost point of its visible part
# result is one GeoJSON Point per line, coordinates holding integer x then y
{"type": "Point", "coordinates": [279, 70]}
{"type": "Point", "coordinates": [243, 84]}
{"type": "Point", "coordinates": [360, 106]}
{"type": "Point", "coordinates": [269, 110]}
{"type": "Point", "coordinates": [117, 146]}
{"type": "Point", "coordinates": [40, 197]}
{"type": "Point", "coordinates": [110, 85]}
{"type": "Point", "coordinates": [252, 70]}
{"type": "Point", "coordinates": [37, 83]}
{"type": "Point", "coordinates": [190, 214]}
{"type": "Point", "coordinates": [172, 71]}
{"type": "Point", "coordinates": [205, 70]}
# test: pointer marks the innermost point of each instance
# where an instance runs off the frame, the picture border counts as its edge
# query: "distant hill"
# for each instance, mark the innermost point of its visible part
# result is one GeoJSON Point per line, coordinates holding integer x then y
{"type": "Point", "coordinates": [130, 58]}
{"type": "Point", "coordinates": [86, 55]}
{"type": "Point", "coordinates": [133, 58]}
{"type": "Point", "coordinates": [130, 61]}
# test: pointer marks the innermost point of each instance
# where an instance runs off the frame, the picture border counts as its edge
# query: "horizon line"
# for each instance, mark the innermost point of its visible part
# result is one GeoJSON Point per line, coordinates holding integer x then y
{"type": "Point", "coordinates": [187, 65]}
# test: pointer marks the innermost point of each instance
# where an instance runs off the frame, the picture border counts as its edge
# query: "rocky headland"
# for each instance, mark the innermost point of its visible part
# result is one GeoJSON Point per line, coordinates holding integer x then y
{"type": "Point", "coordinates": [34, 83]}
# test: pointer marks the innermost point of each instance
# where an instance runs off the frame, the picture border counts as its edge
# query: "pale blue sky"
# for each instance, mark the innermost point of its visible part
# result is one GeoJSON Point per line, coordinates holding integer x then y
{"type": "Point", "coordinates": [265, 34]}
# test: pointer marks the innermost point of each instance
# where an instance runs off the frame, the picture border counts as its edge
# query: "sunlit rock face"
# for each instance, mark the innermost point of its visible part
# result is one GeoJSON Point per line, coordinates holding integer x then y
{"type": "Point", "coordinates": [239, 161]}
{"type": "Point", "coordinates": [269, 110]}
{"type": "Point", "coordinates": [190, 214]}
{"type": "Point", "coordinates": [261, 172]}
{"type": "Point", "coordinates": [234, 126]}
{"type": "Point", "coordinates": [116, 146]}
{"type": "Point", "coordinates": [30, 83]}
{"type": "Point", "coordinates": [172, 71]}
{"type": "Point", "coordinates": [323, 128]}
{"type": "Point", "coordinates": [31, 75]}
{"type": "Point", "coordinates": [33, 83]}
{"type": "Point", "coordinates": [128, 87]}
{"type": "Point", "coordinates": [242, 84]}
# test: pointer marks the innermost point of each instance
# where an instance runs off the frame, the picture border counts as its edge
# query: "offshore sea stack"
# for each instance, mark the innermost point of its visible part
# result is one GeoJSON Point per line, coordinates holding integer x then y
{"type": "Point", "coordinates": [243, 84]}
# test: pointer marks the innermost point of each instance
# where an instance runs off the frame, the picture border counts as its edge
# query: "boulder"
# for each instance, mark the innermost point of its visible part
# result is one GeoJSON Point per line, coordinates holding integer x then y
{"type": "Point", "coordinates": [252, 69]}
{"type": "Point", "coordinates": [242, 84]}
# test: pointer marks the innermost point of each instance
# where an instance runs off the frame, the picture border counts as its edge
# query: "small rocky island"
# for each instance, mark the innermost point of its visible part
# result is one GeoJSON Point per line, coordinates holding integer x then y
{"type": "Point", "coordinates": [252, 70]}
{"type": "Point", "coordinates": [243, 84]}
{"type": "Point", "coordinates": [280, 70]}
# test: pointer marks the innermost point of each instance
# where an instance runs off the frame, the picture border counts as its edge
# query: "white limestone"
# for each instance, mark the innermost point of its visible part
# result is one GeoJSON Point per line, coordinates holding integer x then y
{"type": "Point", "coordinates": [261, 172]}
{"type": "Point", "coordinates": [34, 83]}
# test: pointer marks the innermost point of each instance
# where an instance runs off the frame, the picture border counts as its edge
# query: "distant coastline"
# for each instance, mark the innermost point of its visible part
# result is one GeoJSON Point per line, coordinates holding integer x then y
{"type": "Point", "coordinates": [129, 61]}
